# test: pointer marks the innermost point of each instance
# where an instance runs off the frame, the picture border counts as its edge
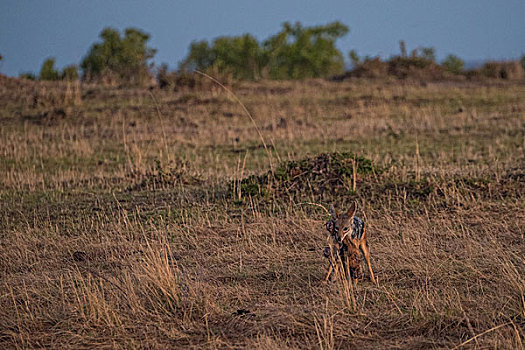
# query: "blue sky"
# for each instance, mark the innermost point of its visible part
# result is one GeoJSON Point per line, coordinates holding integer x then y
{"type": "Point", "coordinates": [31, 31]}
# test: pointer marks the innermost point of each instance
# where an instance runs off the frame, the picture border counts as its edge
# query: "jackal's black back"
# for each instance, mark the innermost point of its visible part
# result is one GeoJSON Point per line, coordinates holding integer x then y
{"type": "Point", "coordinates": [358, 228]}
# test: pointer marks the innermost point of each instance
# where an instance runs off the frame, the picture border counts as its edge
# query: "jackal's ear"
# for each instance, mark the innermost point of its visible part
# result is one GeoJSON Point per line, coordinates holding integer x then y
{"type": "Point", "coordinates": [351, 212]}
{"type": "Point", "coordinates": [333, 212]}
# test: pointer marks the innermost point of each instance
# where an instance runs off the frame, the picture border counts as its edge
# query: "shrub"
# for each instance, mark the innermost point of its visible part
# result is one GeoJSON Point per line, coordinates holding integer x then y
{"type": "Point", "coordinates": [163, 77]}
{"type": "Point", "coordinates": [370, 68]}
{"type": "Point", "coordinates": [427, 53]}
{"type": "Point", "coordinates": [122, 58]}
{"type": "Point", "coordinates": [403, 48]}
{"type": "Point", "coordinates": [403, 67]}
{"type": "Point", "coordinates": [296, 52]}
{"type": "Point", "coordinates": [240, 56]}
{"type": "Point", "coordinates": [510, 70]}
{"type": "Point", "coordinates": [27, 75]}
{"type": "Point", "coordinates": [299, 52]}
{"type": "Point", "coordinates": [182, 80]}
{"type": "Point", "coordinates": [453, 64]}
{"type": "Point", "coordinates": [354, 58]}
{"type": "Point", "coordinates": [420, 65]}
{"type": "Point", "coordinates": [70, 73]}
{"type": "Point", "coordinates": [48, 71]}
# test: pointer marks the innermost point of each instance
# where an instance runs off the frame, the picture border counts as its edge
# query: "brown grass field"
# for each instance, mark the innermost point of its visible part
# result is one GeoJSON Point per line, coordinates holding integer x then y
{"type": "Point", "coordinates": [128, 217]}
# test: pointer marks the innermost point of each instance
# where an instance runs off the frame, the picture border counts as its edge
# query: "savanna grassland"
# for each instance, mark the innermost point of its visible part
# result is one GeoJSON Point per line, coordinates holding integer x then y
{"type": "Point", "coordinates": [146, 218]}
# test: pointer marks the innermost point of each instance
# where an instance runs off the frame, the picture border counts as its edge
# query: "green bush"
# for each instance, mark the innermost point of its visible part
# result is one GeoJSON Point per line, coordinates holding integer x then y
{"type": "Point", "coordinates": [296, 52]}
{"type": "Point", "coordinates": [354, 58]}
{"type": "Point", "coordinates": [122, 58]}
{"type": "Point", "coordinates": [48, 71]}
{"type": "Point", "coordinates": [239, 56]}
{"type": "Point", "coordinates": [453, 64]}
{"type": "Point", "coordinates": [299, 52]}
{"type": "Point", "coordinates": [427, 53]}
{"type": "Point", "coordinates": [70, 73]}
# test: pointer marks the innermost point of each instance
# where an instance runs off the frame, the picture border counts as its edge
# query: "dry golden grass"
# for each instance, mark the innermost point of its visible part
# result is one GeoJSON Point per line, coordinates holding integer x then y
{"type": "Point", "coordinates": [119, 227]}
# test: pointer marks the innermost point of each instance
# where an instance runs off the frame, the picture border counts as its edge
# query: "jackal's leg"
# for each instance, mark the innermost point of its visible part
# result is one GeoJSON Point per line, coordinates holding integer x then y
{"type": "Point", "coordinates": [329, 273]}
{"type": "Point", "coordinates": [366, 253]}
{"type": "Point", "coordinates": [352, 267]}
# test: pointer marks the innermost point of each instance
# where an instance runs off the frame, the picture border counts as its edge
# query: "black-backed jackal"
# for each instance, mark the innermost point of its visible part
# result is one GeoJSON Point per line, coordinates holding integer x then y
{"type": "Point", "coordinates": [348, 234]}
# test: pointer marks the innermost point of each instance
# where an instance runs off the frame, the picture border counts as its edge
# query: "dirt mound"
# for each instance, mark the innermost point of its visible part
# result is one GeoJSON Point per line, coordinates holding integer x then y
{"type": "Point", "coordinates": [317, 178]}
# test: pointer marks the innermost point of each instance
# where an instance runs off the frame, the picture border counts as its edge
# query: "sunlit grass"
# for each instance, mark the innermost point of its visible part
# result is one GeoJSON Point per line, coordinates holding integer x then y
{"type": "Point", "coordinates": [120, 226]}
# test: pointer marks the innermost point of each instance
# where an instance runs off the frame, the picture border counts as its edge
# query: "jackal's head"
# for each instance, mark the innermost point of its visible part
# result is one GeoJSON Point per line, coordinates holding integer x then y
{"type": "Point", "coordinates": [341, 224]}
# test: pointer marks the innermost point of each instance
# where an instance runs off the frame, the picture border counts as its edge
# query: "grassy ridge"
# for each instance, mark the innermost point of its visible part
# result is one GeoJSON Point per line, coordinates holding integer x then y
{"type": "Point", "coordinates": [129, 219]}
